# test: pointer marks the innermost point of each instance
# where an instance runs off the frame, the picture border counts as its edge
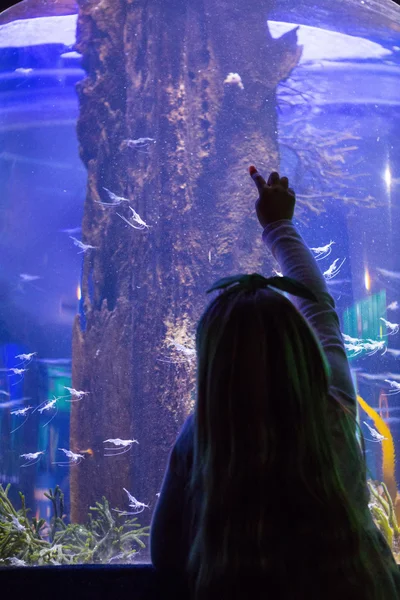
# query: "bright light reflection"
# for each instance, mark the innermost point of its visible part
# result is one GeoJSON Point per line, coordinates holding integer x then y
{"type": "Point", "coordinates": [367, 280]}
{"type": "Point", "coordinates": [78, 292]}
{"type": "Point", "coordinates": [388, 177]}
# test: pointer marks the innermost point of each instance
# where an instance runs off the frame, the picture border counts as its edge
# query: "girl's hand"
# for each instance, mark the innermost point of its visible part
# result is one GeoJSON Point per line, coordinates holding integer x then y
{"type": "Point", "coordinates": [276, 199]}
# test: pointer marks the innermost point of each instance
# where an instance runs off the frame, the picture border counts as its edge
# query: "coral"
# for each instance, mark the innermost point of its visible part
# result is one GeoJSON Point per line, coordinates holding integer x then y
{"type": "Point", "coordinates": [383, 513]}
{"type": "Point", "coordinates": [105, 538]}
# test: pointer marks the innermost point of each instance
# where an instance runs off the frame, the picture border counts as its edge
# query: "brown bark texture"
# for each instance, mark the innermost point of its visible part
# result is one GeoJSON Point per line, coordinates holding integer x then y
{"type": "Point", "coordinates": [157, 70]}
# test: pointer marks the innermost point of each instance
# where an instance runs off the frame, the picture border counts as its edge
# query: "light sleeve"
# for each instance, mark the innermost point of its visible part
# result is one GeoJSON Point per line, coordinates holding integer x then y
{"type": "Point", "coordinates": [297, 261]}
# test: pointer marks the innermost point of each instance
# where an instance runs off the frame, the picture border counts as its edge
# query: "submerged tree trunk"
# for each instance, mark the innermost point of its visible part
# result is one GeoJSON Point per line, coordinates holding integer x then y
{"type": "Point", "coordinates": [157, 70]}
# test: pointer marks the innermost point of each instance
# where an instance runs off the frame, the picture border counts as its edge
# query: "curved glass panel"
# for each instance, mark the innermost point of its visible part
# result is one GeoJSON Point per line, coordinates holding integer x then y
{"type": "Point", "coordinates": [124, 195]}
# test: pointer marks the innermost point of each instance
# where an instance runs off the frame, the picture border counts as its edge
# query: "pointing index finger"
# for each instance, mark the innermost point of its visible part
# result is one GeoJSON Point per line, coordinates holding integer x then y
{"type": "Point", "coordinates": [257, 178]}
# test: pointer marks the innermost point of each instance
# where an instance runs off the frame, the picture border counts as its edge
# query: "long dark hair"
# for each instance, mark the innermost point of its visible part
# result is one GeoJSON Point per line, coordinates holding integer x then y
{"type": "Point", "coordinates": [274, 509]}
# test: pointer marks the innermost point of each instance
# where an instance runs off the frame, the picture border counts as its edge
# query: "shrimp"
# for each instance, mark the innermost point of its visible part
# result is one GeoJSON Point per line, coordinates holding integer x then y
{"type": "Point", "coordinates": [137, 144]}
{"type": "Point", "coordinates": [393, 305]}
{"type": "Point", "coordinates": [356, 348]}
{"type": "Point", "coordinates": [84, 247]}
{"type": "Point", "coordinates": [135, 218]}
{"type": "Point", "coordinates": [78, 394]}
{"type": "Point", "coordinates": [32, 458]}
{"type": "Point", "coordinates": [21, 412]}
{"type": "Point", "coordinates": [15, 371]}
{"type": "Point", "coordinates": [26, 358]}
{"type": "Point", "coordinates": [137, 506]}
{"type": "Point", "coordinates": [323, 251]}
{"type": "Point", "coordinates": [358, 345]}
{"type": "Point", "coordinates": [394, 385]}
{"type": "Point", "coordinates": [75, 458]}
{"type": "Point", "coordinates": [393, 327]}
{"type": "Point", "coordinates": [375, 434]}
{"type": "Point", "coordinates": [17, 524]}
{"type": "Point", "coordinates": [348, 338]}
{"type": "Point", "coordinates": [333, 270]}
{"type": "Point", "coordinates": [187, 353]}
{"type": "Point", "coordinates": [119, 443]}
{"type": "Point", "coordinates": [115, 200]}
{"type": "Point", "coordinates": [48, 406]}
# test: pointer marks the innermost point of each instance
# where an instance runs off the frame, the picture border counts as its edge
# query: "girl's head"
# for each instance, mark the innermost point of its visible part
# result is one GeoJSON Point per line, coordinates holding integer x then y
{"type": "Point", "coordinates": [260, 368]}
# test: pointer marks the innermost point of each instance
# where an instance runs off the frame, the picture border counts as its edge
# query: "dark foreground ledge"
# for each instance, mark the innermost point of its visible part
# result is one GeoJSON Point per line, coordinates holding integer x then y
{"type": "Point", "coordinates": [91, 582]}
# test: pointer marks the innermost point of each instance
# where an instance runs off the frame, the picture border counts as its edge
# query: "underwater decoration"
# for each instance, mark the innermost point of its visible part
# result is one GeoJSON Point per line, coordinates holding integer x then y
{"type": "Point", "coordinates": [388, 453]}
{"type": "Point", "coordinates": [108, 536]}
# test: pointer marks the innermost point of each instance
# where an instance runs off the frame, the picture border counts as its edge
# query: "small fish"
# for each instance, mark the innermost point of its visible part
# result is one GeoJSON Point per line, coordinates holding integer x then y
{"type": "Point", "coordinates": [71, 231]}
{"type": "Point", "coordinates": [338, 281]}
{"type": "Point", "coordinates": [55, 361]}
{"type": "Point", "coordinates": [11, 403]}
{"type": "Point", "coordinates": [394, 352]}
{"type": "Point", "coordinates": [89, 452]}
{"type": "Point", "coordinates": [59, 372]}
{"type": "Point", "coordinates": [23, 71]}
{"type": "Point", "coordinates": [389, 274]}
{"type": "Point", "coordinates": [27, 277]}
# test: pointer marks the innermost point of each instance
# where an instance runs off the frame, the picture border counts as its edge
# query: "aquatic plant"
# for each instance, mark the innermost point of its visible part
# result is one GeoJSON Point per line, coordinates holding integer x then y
{"type": "Point", "coordinates": [105, 538]}
{"type": "Point", "coordinates": [383, 513]}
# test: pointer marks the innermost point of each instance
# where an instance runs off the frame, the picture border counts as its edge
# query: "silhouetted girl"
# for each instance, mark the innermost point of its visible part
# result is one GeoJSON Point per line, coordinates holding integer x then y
{"type": "Point", "coordinates": [265, 493]}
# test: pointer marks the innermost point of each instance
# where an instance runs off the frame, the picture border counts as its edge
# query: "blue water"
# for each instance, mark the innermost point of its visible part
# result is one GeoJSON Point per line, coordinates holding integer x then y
{"type": "Point", "coordinates": [338, 133]}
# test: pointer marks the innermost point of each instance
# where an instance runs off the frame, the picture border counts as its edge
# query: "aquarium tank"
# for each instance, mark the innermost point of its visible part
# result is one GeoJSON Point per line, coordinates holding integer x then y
{"type": "Point", "coordinates": [126, 132]}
